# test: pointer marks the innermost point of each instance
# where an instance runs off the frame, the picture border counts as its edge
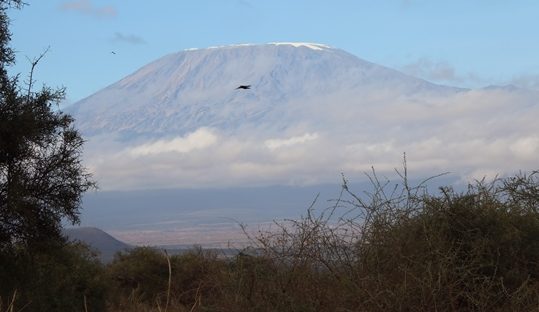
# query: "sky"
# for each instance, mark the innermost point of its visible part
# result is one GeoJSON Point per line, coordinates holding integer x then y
{"type": "Point", "coordinates": [461, 43]}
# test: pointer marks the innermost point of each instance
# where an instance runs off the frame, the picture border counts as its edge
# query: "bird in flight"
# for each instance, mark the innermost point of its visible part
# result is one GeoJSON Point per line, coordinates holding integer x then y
{"type": "Point", "coordinates": [112, 52]}
{"type": "Point", "coordinates": [245, 87]}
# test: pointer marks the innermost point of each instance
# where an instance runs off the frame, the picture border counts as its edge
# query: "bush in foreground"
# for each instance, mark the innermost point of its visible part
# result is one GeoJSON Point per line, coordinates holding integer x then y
{"type": "Point", "coordinates": [65, 277]}
{"type": "Point", "coordinates": [140, 279]}
{"type": "Point", "coordinates": [397, 248]}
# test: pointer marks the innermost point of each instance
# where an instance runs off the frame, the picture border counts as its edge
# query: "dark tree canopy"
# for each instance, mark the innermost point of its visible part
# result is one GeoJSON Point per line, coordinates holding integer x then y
{"type": "Point", "coordinates": [42, 177]}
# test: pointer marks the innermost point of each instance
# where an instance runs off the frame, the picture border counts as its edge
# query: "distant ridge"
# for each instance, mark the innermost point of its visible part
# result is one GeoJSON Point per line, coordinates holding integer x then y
{"type": "Point", "coordinates": [97, 239]}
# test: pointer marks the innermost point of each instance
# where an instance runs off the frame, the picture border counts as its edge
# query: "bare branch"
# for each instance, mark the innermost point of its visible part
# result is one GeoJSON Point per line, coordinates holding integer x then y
{"type": "Point", "coordinates": [34, 63]}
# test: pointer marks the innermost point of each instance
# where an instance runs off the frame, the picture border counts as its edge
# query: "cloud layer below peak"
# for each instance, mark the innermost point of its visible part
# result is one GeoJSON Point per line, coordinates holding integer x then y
{"type": "Point", "coordinates": [471, 134]}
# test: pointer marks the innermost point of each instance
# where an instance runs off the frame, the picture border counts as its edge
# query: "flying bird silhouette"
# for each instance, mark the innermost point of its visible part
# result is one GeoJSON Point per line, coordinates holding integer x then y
{"type": "Point", "coordinates": [112, 52]}
{"type": "Point", "coordinates": [245, 87]}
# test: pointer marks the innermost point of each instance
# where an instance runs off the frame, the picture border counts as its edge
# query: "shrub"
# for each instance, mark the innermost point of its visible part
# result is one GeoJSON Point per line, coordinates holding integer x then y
{"type": "Point", "coordinates": [402, 248]}
{"type": "Point", "coordinates": [139, 274]}
{"type": "Point", "coordinates": [140, 277]}
{"type": "Point", "coordinates": [395, 248]}
{"type": "Point", "coordinates": [63, 278]}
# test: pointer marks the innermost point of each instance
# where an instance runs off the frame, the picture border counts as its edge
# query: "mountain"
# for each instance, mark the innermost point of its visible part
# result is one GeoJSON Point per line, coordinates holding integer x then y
{"type": "Point", "coordinates": [176, 147]}
{"type": "Point", "coordinates": [105, 244]}
{"type": "Point", "coordinates": [184, 91]}
{"type": "Point", "coordinates": [312, 112]}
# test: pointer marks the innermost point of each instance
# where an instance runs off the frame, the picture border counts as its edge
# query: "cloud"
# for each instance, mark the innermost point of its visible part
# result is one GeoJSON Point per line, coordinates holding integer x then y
{"type": "Point", "coordinates": [431, 70]}
{"type": "Point", "coordinates": [278, 143]}
{"type": "Point", "coordinates": [244, 3]}
{"type": "Point", "coordinates": [128, 38]}
{"type": "Point", "coordinates": [527, 81]}
{"type": "Point", "coordinates": [468, 133]}
{"type": "Point", "coordinates": [526, 147]}
{"type": "Point", "coordinates": [88, 8]}
{"type": "Point", "coordinates": [439, 71]}
{"type": "Point", "coordinates": [200, 139]}
{"type": "Point", "coordinates": [406, 4]}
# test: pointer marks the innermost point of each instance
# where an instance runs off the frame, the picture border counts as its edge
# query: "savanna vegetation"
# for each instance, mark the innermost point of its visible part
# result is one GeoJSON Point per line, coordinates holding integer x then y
{"type": "Point", "coordinates": [396, 247]}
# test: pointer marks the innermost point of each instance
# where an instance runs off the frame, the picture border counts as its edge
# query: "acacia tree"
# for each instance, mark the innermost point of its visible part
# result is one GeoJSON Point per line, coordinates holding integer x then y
{"type": "Point", "coordinates": [42, 178]}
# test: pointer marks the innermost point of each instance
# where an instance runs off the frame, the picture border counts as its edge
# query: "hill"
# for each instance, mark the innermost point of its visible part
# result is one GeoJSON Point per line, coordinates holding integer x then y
{"type": "Point", "coordinates": [97, 239]}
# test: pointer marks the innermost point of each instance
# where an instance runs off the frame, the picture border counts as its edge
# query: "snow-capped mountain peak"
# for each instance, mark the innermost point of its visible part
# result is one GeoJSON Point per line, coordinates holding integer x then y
{"type": "Point", "coordinates": [314, 46]}
{"type": "Point", "coordinates": [184, 91]}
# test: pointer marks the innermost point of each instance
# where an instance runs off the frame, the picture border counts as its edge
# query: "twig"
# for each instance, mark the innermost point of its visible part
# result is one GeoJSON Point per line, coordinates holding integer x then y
{"type": "Point", "coordinates": [169, 279]}
{"type": "Point", "coordinates": [34, 63]}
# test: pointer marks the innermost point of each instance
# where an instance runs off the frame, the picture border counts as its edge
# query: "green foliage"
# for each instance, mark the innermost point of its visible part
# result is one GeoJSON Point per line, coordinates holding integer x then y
{"type": "Point", "coordinates": [197, 274]}
{"type": "Point", "coordinates": [139, 277]}
{"type": "Point", "coordinates": [41, 175]}
{"type": "Point", "coordinates": [59, 279]}
{"type": "Point", "coordinates": [140, 274]}
{"type": "Point", "coordinates": [41, 183]}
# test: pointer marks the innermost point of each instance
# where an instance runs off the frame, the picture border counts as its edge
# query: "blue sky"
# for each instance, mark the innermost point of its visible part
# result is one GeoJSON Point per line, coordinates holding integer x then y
{"type": "Point", "coordinates": [460, 42]}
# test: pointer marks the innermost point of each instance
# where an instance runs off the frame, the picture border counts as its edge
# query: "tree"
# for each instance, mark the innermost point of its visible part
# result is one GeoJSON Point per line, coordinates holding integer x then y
{"type": "Point", "coordinates": [42, 178]}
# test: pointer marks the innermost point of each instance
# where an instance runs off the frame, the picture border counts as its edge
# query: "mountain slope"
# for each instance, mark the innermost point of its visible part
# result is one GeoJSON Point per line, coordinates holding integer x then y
{"type": "Point", "coordinates": [97, 239]}
{"type": "Point", "coordinates": [183, 91]}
